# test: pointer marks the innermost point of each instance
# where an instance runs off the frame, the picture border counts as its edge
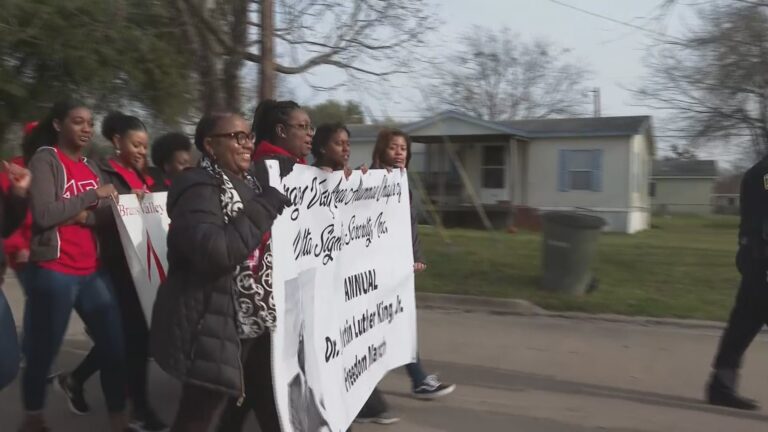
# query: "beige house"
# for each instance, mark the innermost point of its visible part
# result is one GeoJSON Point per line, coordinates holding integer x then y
{"type": "Point", "coordinates": [599, 166]}
{"type": "Point", "coordinates": [726, 198]}
{"type": "Point", "coordinates": [683, 186]}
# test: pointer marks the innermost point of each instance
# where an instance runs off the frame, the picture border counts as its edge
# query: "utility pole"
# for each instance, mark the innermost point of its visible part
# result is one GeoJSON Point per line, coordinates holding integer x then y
{"type": "Point", "coordinates": [596, 102]}
{"type": "Point", "coordinates": [267, 65]}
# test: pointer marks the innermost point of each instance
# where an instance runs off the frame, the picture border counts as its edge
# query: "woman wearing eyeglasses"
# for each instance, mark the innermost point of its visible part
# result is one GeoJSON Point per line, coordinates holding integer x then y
{"type": "Point", "coordinates": [283, 132]}
{"type": "Point", "coordinates": [204, 330]}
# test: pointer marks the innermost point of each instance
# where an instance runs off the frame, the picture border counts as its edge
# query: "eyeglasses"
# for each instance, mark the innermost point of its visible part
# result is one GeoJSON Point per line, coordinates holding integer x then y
{"type": "Point", "coordinates": [241, 137]}
{"type": "Point", "coordinates": [308, 128]}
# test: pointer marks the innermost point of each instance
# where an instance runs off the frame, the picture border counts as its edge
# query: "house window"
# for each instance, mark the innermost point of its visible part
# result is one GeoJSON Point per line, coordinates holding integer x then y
{"type": "Point", "coordinates": [581, 170]}
{"type": "Point", "coordinates": [652, 190]}
{"type": "Point", "coordinates": [493, 167]}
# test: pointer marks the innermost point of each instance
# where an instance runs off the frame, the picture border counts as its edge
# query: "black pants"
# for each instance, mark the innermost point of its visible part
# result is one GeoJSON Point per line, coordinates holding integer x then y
{"type": "Point", "coordinates": [749, 315]}
{"type": "Point", "coordinates": [198, 406]}
{"type": "Point", "coordinates": [375, 405]}
{"type": "Point", "coordinates": [260, 396]}
{"type": "Point", "coordinates": [136, 335]}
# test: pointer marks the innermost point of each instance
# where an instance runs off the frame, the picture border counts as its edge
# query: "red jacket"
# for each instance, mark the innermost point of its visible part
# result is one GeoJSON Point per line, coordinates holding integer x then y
{"type": "Point", "coordinates": [20, 238]}
{"type": "Point", "coordinates": [266, 150]}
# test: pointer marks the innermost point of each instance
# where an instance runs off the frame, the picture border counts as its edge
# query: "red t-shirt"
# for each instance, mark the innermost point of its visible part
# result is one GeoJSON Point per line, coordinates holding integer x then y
{"type": "Point", "coordinates": [20, 238]}
{"type": "Point", "coordinates": [77, 243]}
{"type": "Point", "coordinates": [132, 178]}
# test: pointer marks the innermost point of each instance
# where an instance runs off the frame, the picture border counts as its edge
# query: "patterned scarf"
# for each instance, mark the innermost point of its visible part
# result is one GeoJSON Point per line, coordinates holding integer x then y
{"type": "Point", "coordinates": [255, 302]}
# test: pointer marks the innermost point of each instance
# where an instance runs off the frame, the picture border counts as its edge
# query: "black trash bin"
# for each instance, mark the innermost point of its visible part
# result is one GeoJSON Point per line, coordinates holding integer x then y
{"type": "Point", "coordinates": [570, 244]}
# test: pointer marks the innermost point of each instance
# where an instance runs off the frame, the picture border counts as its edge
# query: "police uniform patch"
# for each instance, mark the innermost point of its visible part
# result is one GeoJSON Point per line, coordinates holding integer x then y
{"type": "Point", "coordinates": [765, 181]}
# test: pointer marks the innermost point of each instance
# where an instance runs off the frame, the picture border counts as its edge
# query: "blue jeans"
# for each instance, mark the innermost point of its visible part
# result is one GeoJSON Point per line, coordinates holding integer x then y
{"type": "Point", "coordinates": [416, 372]}
{"type": "Point", "coordinates": [9, 347]}
{"type": "Point", "coordinates": [23, 274]}
{"type": "Point", "coordinates": [51, 296]}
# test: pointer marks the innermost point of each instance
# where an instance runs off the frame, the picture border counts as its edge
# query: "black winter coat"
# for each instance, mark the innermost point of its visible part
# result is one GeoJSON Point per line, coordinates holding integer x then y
{"type": "Point", "coordinates": [193, 335]}
{"type": "Point", "coordinates": [160, 179]}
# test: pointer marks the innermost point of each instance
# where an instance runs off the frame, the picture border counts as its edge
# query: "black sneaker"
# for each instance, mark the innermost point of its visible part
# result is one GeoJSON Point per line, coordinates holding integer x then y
{"type": "Point", "coordinates": [383, 418]}
{"type": "Point", "coordinates": [148, 421]}
{"type": "Point", "coordinates": [74, 393]}
{"type": "Point", "coordinates": [720, 394]}
{"type": "Point", "coordinates": [432, 388]}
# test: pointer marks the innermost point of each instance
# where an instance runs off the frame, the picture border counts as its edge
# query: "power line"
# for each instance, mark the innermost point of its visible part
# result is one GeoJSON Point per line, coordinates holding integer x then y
{"type": "Point", "coordinates": [613, 20]}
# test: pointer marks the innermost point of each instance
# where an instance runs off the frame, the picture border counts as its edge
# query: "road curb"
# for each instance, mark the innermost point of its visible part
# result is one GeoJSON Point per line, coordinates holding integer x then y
{"type": "Point", "coordinates": [477, 304]}
{"type": "Point", "coordinates": [525, 308]}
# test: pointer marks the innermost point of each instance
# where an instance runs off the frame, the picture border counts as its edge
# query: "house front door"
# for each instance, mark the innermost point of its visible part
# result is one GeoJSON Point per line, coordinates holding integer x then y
{"type": "Point", "coordinates": [493, 173]}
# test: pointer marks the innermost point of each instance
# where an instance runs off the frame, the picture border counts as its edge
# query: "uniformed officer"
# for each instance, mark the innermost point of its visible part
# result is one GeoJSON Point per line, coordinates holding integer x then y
{"type": "Point", "coordinates": [750, 312]}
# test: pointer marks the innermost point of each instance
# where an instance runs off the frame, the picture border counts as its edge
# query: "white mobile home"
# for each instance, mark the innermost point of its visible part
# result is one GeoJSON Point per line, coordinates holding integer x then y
{"type": "Point", "coordinates": [599, 166]}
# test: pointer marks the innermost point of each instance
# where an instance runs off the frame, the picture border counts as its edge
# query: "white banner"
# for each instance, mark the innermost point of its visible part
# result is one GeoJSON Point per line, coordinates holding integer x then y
{"type": "Point", "coordinates": [343, 285]}
{"type": "Point", "coordinates": [143, 228]}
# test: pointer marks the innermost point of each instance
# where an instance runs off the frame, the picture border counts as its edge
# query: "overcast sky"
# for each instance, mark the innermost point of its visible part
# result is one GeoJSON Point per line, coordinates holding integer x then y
{"type": "Point", "coordinates": [613, 51]}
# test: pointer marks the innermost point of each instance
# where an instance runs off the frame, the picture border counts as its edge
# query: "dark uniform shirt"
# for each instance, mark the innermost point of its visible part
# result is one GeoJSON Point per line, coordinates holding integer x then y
{"type": "Point", "coordinates": [753, 229]}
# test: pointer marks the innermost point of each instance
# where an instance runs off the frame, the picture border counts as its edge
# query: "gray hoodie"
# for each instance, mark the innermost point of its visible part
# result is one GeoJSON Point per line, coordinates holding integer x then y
{"type": "Point", "coordinates": [49, 208]}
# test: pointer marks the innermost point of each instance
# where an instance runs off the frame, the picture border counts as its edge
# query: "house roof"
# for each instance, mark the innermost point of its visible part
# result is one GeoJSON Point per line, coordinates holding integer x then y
{"type": "Point", "coordinates": [492, 126]}
{"type": "Point", "coordinates": [539, 128]}
{"type": "Point", "coordinates": [679, 168]}
{"type": "Point", "coordinates": [588, 126]}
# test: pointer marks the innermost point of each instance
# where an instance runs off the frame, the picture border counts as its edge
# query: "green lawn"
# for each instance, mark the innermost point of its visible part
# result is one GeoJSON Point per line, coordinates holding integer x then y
{"type": "Point", "coordinates": [683, 267]}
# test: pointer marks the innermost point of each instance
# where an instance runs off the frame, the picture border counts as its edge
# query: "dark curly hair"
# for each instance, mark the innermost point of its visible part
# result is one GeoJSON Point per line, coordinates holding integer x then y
{"type": "Point", "coordinates": [165, 146]}
{"type": "Point", "coordinates": [117, 123]}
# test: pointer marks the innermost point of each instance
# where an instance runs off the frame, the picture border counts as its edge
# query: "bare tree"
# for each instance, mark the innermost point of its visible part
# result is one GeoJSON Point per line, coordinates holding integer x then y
{"type": "Point", "coordinates": [712, 80]}
{"type": "Point", "coordinates": [681, 153]}
{"type": "Point", "coordinates": [217, 71]}
{"type": "Point", "coordinates": [497, 76]}
{"type": "Point", "coordinates": [267, 61]}
{"type": "Point", "coordinates": [360, 38]}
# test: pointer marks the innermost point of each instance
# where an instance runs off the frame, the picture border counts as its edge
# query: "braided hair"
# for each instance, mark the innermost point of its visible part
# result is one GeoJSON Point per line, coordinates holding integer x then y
{"type": "Point", "coordinates": [270, 113]}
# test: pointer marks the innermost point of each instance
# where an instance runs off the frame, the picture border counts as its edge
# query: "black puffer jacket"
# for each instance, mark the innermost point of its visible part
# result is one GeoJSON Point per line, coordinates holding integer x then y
{"type": "Point", "coordinates": [193, 335]}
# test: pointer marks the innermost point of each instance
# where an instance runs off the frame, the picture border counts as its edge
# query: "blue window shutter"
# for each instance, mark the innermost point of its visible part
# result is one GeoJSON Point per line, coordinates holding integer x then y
{"type": "Point", "coordinates": [597, 170]}
{"type": "Point", "coordinates": [562, 178]}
